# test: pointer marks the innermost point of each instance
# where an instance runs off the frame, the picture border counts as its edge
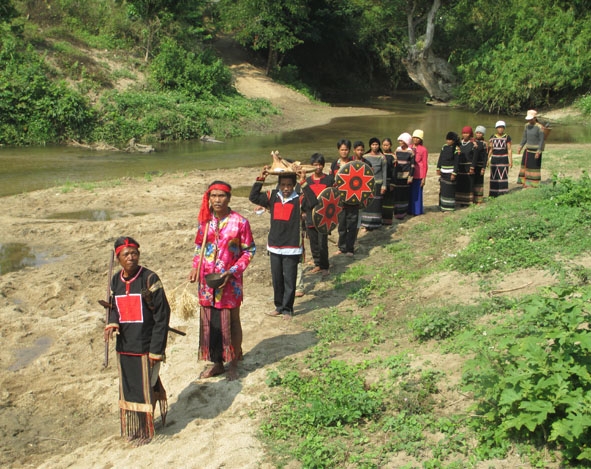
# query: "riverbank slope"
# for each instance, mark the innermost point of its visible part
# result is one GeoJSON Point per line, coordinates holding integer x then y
{"type": "Point", "coordinates": [59, 405]}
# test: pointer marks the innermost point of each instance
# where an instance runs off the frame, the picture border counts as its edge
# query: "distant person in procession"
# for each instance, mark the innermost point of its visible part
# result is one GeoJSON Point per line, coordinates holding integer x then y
{"type": "Point", "coordinates": [283, 242]}
{"type": "Point", "coordinates": [447, 170]}
{"type": "Point", "coordinates": [371, 217]}
{"type": "Point", "coordinates": [316, 182]}
{"type": "Point", "coordinates": [500, 157]}
{"type": "Point", "coordinates": [530, 173]}
{"type": "Point", "coordinates": [480, 163]}
{"type": "Point", "coordinates": [349, 217]}
{"type": "Point", "coordinates": [415, 206]}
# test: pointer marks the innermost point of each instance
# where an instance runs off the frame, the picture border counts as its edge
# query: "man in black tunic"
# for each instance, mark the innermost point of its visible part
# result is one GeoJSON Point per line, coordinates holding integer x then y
{"type": "Point", "coordinates": [139, 319]}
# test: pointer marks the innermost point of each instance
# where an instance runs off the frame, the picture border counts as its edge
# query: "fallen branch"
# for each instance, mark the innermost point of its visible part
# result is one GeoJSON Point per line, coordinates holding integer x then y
{"type": "Point", "coordinates": [133, 147]}
{"type": "Point", "coordinates": [496, 292]}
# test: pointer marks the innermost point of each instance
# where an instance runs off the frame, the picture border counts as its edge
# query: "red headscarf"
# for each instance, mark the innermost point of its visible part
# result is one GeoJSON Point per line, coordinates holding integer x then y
{"type": "Point", "coordinates": [468, 130]}
{"type": "Point", "coordinates": [205, 212]}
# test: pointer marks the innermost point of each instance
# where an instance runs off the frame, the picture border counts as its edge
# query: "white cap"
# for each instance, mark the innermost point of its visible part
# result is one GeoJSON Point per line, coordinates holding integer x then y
{"type": "Point", "coordinates": [500, 124]}
{"type": "Point", "coordinates": [531, 114]}
{"type": "Point", "coordinates": [418, 133]}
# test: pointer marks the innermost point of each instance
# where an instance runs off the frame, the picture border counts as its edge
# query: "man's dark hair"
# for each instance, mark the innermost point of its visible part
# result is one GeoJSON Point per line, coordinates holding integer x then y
{"type": "Point", "coordinates": [291, 176]}
{"type": "Point", "coordinates": [345, 142]}
{"type": "Point", "coordinates": [317, 158]}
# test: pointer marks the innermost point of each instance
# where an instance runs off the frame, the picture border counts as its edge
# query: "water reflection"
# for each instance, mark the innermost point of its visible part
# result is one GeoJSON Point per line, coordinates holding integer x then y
{"type": "Point", "coordinates": [26, 355]}
{"type": "Point", "coordinates": [15, 256]}
{"type": "Point", "coordinates": [26, 169]}
{"type": "Point", "coordinates": [92, 215]}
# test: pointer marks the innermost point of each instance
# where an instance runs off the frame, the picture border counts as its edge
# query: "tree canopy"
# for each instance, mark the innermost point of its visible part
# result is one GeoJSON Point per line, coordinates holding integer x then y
{"type": "Point", "coordinates": [497, 56]}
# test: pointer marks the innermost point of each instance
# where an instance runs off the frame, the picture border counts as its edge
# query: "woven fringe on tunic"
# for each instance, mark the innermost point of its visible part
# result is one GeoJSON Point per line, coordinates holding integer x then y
{"type": "Point", "coordinates": [478, 187]}
{"type": "Point", "coordinates": [371, 217]}
{"type": "Point", "coordinates": [137, 398]}
{"type": "Point", "coordinates": [447, 193]}
{"type": "Point", "coordinates": [387, 207]}
{"type": "Point", "coordinates": [530, 173]}
{"type": "Point", "coordinates": [215, 336]}
{"type": "Point", "coordinates": [499, 175]}
{"type": "Point", "coordinates": [464, 185]}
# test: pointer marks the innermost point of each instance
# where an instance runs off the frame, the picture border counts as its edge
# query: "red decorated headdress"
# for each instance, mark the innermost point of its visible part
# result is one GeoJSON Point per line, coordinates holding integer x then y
{"type": "Point", "coordinates": [205, 212]}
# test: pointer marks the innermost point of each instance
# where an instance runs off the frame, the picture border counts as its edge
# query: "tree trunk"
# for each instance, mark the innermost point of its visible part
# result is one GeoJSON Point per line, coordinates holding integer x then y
{"type": "Point", "coordinates": [432, 73]}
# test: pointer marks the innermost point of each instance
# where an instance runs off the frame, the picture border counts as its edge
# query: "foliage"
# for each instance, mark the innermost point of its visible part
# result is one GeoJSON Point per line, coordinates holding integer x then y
{"type": "Point", "coordinates": [174, 116]}
{"type": "Point", "coordinates": [318, 405]}
{"type": "Point", "coordinates": [34, 109]}
{"type": "Point", "coordinates": [535, 50]}
{"type": "Point", "coordinates": [532, 380]}
{"type": "Point", "coordinates": [198, 75]}
{"type": "Point", "coordinates": [555, 219]}
{"type": "Point", "coordinates": [335, 325]}
{"type": "Point", "coordinates": [584, 104]}
{"type": "Point", "coordinates": [7, 10]}
{"type": "Point", "coordinates": [276, 27]}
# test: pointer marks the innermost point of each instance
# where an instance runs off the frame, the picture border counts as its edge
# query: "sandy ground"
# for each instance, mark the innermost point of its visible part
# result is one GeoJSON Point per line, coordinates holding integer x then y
{"type": "Point", "coordinates": [59, 405]}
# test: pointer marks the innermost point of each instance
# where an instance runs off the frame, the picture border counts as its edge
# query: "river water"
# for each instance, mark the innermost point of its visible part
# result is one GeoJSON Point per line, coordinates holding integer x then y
{"type": "Point", "coordinates": [31, 168]}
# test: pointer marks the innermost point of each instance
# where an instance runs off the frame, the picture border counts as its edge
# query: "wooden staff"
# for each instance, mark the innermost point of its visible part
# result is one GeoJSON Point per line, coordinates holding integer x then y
{"type": "Point", "coordinates": [108, 307]}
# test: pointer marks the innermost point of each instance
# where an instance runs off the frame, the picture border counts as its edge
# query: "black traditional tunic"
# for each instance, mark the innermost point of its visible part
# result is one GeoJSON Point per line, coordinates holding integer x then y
{"type": "Point", "coordinates": [499, 165]}
{"type": "Point", "coordinates": [464, 182]}
{"type": "Point", "coordinates": [142, 312]}
{"type": "Point", "coordinates": [404, 169]}
{"type": "Point", "coordinates": [447, 165]}
{"type": "Point", "coordinates": [388, 198]}
{"type": "Point", "coordinates": [371, 217]}
{"type": "Point", "coordinates": [480, 159]}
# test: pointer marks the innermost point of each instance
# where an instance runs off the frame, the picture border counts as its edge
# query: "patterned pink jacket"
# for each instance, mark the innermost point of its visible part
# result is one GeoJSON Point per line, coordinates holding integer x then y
{"type": "Point", "coordinates": [229, 246]}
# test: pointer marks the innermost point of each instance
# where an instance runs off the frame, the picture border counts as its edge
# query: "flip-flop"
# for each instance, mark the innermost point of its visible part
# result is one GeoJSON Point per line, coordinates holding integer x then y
{"type": "Point", "coordinates": [273, 314]}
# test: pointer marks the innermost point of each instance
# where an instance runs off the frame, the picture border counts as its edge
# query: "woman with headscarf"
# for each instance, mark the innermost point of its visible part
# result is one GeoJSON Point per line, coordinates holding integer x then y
{"type": "Point", "coordinates": [480, 161]}
{"type": "Point", "coordinates": [223, 245]}
{"type": "Point", "coordinates": [139, 314]}
{"type": "Point", "coordinates": [415, 207]}
{"type": "Point", "coordinates": [404, 166]}
{"type": "Point", "coordinates": [530, 172]}
{"type": "Point", "coordinates": [447, 170]}
{"type": "Point", "coordinates": [465, 168]}
{"type": "Point", "coordinates": [500, 157]}
{"type": "Point", "coordinates": [371, 217]}
{"type": "Point", "coordinates": [388, 197]}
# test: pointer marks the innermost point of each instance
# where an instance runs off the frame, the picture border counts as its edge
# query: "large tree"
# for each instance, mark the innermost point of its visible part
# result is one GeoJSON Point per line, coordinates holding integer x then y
{"type": "Point", "coordinates": [424, 67]}
{"type": "Point", "coordinates": [269, 25]}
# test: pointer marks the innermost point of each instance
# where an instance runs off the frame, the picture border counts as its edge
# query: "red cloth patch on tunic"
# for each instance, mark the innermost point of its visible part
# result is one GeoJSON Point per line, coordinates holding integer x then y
{"type": "Point", "coordinates": [282, 212]}
{"type": "Point", "coordinates": [130, 308]}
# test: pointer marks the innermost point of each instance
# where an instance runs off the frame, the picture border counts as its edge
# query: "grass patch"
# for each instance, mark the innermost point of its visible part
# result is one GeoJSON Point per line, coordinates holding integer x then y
{"type": "Point", "coordinates": [526, 372]}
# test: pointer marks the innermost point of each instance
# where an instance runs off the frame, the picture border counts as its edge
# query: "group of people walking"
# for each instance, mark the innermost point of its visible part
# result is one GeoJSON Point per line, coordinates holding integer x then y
{"type": "Point", "coordinates": [138, 309]}
{"type": "Point", "coordinates": [463, 160]}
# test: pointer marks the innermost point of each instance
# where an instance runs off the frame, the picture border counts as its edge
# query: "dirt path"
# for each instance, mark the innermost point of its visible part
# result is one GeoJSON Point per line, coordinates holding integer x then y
{"type": "Point", "coordinates": [59, 406]}
{"type": "Point", "coordinates": [297, 111]}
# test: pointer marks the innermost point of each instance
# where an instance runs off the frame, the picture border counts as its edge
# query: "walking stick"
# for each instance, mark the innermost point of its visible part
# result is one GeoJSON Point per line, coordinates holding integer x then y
{"type": "Point", "coordinates": [108, 308]}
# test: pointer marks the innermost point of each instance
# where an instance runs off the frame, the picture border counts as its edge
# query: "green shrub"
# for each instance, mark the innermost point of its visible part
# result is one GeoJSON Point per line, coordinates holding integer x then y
{"type": "Point", "coordinates": [198, 74]}
{"type": "Point", "coordinates": [533, 381]}
{"type": "Point", "coordinates": [34, 109]}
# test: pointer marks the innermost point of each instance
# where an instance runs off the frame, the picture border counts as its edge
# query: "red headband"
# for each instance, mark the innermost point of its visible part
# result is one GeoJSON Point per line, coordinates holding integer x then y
{"type": "Point", "coordinates": [205, 212]}
{"type": "Point", "coordinates": [127, 244]}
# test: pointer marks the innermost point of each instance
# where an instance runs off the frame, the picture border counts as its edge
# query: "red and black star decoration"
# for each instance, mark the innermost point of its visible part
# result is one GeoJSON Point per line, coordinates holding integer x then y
{"type": "Point", "coordinates": [325, 215]}
{"type": "Point", "coordinates": [355, 182]}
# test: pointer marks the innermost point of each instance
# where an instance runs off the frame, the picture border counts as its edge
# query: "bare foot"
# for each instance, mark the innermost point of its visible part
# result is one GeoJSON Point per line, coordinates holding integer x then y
{"type": "Point", "coordinates": [232, 373]}
{"type": "Point", "coordinates": [215, 370]}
